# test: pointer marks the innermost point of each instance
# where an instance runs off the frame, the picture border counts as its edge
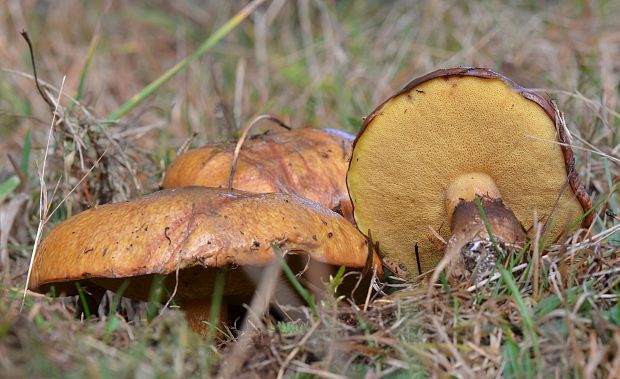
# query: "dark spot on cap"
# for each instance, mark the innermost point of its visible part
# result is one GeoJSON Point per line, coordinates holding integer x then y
{"type": "Point", "coordinates": [330, 235]}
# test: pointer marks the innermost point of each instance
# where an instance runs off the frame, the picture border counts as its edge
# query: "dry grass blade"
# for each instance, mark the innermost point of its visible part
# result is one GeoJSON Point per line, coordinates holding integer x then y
{"type": "Point", "coordinates": [439, 328]}
{"type": "Point", "coordinates": [294, 352]}
{"type": "Point", "coordinates": [8, 213]}
{"type": "Point", "coordinates": [44, 205]}
{"type": "Point", "coordinates": [243, 137]}
{"type": "Point", "coordinates": [260, 303]}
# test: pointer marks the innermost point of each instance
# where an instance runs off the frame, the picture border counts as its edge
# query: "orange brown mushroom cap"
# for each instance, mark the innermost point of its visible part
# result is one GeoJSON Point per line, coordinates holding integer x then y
{"type": "Point", "coordinates": [192, 230]}
{"type": "Point", "coordinates": [308, 162]}
{"type": "Point", "coordinates": [451, 123]}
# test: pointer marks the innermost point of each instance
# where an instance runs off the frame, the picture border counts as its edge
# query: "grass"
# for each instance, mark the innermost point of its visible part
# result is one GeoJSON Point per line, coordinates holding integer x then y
{"type": "Point", "coordinates": [304, 293]}
{"type": "Point", "coordinates": [326, 64]}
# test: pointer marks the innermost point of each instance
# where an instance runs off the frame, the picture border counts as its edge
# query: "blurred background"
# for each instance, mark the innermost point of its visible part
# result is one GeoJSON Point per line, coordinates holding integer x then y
{"type": "Point", "coordinates": [311, 62]}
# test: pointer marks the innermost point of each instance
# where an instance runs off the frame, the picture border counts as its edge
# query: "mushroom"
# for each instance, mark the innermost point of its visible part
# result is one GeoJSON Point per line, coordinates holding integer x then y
{"type": "Point", "coordinates": [311, 163]}
{"type": "Point", "coordinates": [187, 235]}
{"type": "Point", "coordinates": [423, 157]}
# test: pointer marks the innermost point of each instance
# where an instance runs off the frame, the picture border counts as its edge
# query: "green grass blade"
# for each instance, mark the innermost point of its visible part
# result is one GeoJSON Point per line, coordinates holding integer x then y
{"type": "Point", "coordinates": [8, 186]}
{"type": "Point", "coordinates": [485, 220]}
{"type": "Point", "coordinates": [594, 208]}
{"type": "Point", "coordinates": [510, 353]}
{"type": "Point", "coordinates": [214, 315]}
{"type": "Point", "coordinates": [613, 314]}
{"type": "Point", "coordinates": [608, 175]}
{"type": "Point", "coordinates": [92, 48]}
{"type": "Point", "coordinates": [53, 294]}
{"type": "Point", "coordinates": [305, 294]}
{"type": "Point", "coordinates": [445, 285]}
{"type": "Point", "coordinates": [336, 280]}
{"type": "Point", "coordinates": [155, 294]}
{"type": "Point", "coordinates": [113, 322]}
{"type": "Point", "coordinates": [83, 301]}
{"type": "Point", "coordinates": [89, 58]}
{"type": "Point", "coordinates": [528, 323]}
{"type": "Point", "coordinates": [216, 304]}
{"type": "Point", "coordinates": [117, 296]}
{"type": "Point", "coordinates": [217, 36]}
{"type": "Point", "coordinates": [24, 164]}
{"type": "Point", "coordinates": [512, 286]}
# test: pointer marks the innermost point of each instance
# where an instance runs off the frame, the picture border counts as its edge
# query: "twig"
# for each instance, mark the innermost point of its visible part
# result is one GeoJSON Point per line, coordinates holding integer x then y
{"type": "Point", "coordinates": [36, 79]}
{"type": "Point", "coordinates": [244, 136]}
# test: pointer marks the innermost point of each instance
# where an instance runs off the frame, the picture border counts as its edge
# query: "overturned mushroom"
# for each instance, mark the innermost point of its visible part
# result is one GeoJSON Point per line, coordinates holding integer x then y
{"type": "Point", "coordinates": [187, 234]}
{"type": "Point", "coordinates": [424, 155]}
{"type": "Point", "coordinates": [311, 163]}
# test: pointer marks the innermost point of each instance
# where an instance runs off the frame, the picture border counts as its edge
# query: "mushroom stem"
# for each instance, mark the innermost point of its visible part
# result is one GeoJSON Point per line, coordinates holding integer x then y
{"type": "Point", "coordinates": [198, 314]}
{"type": "Point", "coordinates": [467, 187]}
{"type": "Point", "coordinates": [477, 250]}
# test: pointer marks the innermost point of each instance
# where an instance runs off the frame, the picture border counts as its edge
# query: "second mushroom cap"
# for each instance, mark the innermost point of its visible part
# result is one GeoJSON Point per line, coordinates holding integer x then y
{"type": "Point", "coordinates": [308, 162]}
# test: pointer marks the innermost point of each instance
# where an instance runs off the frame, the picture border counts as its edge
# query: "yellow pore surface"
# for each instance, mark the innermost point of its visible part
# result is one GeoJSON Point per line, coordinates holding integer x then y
{"type": "Point", "coordinates": [420, 141]}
